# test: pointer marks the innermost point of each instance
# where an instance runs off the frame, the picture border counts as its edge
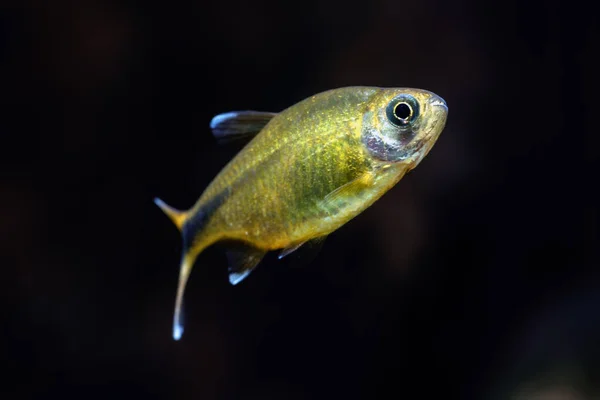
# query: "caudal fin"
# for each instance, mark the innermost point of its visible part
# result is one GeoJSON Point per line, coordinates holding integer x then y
{"type": "Point", "coordinates": [187, 261]}
{"type": "Point", "coordinates": [177, 216]}
{"type": "Point", "coordinates": [191, 225]}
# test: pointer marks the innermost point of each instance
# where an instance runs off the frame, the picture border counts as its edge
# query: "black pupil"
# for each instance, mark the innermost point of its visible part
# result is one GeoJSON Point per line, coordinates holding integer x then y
{"type": "Point", "coordinates": [402, 111]}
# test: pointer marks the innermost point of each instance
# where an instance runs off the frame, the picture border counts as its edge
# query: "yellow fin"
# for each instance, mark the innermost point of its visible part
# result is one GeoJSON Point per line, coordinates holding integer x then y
{"type": "Point", "coordinates": [177, 216]}
{"type": "Point", "coordinates": [191, 224]}
{"type": "Point", "coordinates": [346, 193]}
{"type": "Point", "coordinates": [187, 262]}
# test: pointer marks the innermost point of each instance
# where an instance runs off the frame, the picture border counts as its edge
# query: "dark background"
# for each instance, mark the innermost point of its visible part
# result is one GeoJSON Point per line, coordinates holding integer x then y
{"type": "Point", "coordinates": [476, 277]}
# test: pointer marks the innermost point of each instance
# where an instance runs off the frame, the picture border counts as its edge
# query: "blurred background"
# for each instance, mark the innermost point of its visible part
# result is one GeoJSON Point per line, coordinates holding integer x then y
{"type": "Point", "coordinates": [477, 277]}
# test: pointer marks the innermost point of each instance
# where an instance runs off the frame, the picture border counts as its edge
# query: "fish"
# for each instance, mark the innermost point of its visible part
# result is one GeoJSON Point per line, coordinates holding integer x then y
{"type": "Point", "coordinates": [303, 173]}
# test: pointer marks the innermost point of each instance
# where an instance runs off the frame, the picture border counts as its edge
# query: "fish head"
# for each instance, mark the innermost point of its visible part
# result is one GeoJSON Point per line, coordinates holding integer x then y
{"type": "Point", "coordinates": [402, 125]}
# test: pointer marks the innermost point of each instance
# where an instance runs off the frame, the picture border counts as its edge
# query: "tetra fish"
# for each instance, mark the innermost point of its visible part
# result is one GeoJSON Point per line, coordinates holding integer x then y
{"type": "Point", "coordinates": [306, 172]}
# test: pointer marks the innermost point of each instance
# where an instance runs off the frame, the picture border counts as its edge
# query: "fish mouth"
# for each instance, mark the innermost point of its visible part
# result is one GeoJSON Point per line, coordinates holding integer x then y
{"type": "Point", "coordinates": [440, 114]}
{"type": "Point", "coordinates": [437, 101]}
{"type": "Point", "coordinates": [424, 144]}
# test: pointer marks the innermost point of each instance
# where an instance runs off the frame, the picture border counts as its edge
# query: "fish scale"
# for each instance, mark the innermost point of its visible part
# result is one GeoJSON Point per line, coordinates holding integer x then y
{"type": "Point", "coordinates": [306, 172]}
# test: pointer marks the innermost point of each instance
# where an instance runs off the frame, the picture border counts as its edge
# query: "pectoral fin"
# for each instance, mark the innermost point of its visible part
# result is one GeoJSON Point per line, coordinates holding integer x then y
{"type": "Point", "coordinates": [347, 193]}
{"type": "Point", "coordinates": [237, 125]}
{"type": "Point", "coordinates": [242, 260]}
{"type": "Point", "coordinates": [289, 249]}
{"type": "Point", "coordinates": [304, 252]}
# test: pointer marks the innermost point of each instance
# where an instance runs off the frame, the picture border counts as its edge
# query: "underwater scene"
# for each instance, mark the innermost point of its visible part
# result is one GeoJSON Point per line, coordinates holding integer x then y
{"type": "Point", "coordinates": [299, 200]}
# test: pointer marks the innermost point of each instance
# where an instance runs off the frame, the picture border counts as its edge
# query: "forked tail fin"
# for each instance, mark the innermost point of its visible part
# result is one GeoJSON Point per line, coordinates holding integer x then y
{"type": "Point", "coordinates": [187, 261]}
{"type": "Point", "coordinates": [191, 224]}
{"type": "Point", "coordinates": [177, 216]}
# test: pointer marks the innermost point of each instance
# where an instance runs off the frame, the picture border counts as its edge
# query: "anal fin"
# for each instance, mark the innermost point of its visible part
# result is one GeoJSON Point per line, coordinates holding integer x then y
{"type": "Point", "coordinates": [242, 259]}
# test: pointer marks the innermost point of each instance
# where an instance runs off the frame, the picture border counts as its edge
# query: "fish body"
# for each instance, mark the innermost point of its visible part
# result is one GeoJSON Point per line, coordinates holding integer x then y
{"type": "Point", "coordinates": [307, 171]}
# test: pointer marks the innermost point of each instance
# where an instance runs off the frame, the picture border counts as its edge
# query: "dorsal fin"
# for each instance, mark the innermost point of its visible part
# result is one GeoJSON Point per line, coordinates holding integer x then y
{"type": "Point", "coordinates": [236, 125]}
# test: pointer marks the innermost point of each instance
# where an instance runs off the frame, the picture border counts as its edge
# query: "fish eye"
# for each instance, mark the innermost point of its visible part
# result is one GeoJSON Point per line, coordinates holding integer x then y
{"type": "Point", "coordinates": [402, 110]}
